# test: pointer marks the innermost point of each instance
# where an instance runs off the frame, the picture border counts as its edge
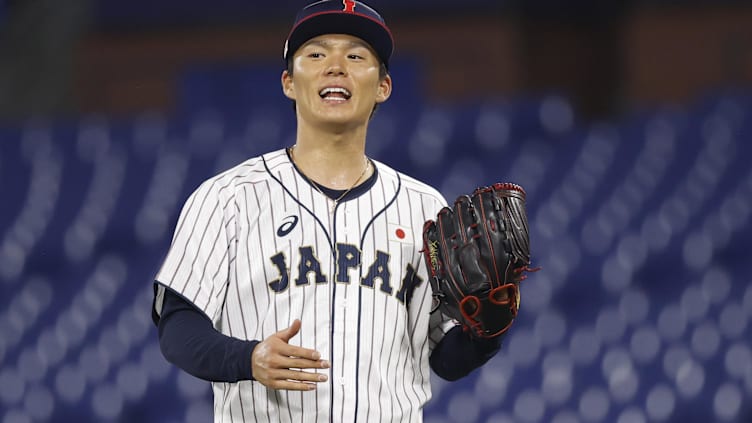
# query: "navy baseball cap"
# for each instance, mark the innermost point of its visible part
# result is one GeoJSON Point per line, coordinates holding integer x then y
{"type": "Point", "coordinates": [341, 17]}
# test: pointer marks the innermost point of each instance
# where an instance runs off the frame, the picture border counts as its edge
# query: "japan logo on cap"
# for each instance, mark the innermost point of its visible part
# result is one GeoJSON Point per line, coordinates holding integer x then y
{"type": "Point", "coordinates": [349, 6]}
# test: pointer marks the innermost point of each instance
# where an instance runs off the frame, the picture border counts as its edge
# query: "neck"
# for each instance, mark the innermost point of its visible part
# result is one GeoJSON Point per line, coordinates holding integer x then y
{"type": "Point", "coordinates": [335, 161]}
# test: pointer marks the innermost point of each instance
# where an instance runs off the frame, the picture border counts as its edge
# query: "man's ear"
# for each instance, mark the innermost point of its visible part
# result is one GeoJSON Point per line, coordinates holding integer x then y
{"type": "Point", "coordinates": [288, 86]}
{"type": "Point", "coordinates": [384, 89]}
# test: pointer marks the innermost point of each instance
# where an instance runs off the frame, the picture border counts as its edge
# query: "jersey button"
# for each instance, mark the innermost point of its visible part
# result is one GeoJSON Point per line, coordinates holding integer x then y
{"type": "Point", "coordinates": [342, 381]}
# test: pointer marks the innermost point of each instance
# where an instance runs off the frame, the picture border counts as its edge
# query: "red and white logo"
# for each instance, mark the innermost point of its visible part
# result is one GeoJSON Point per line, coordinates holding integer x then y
{"type": "Point", "coordinates": [399, 233]}
{"type": "Point", "coordinates": [349, 6]}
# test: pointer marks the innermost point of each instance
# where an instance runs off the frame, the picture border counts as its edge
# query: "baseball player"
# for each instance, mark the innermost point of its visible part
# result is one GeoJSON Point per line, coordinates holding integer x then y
{"type": "Point", "coordinates": [295, 281]}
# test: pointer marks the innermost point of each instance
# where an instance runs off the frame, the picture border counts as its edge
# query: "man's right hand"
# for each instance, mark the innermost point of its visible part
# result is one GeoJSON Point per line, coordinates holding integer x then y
{"type": "Point", "coordinates": [274, 359]}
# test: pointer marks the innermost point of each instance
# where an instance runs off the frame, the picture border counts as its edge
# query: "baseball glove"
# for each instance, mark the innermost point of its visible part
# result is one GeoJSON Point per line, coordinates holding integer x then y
{"type": "Point", "coordinates": [477, 253]}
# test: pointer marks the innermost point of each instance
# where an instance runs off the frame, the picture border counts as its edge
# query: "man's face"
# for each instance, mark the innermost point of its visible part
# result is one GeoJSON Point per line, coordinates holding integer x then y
{"type": "Point", "coordinates": [336, 81]}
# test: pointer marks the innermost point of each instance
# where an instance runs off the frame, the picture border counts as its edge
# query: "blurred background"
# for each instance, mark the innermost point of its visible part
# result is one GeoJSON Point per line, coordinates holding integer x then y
{"type": "Point", "coordinates": [628, 122]}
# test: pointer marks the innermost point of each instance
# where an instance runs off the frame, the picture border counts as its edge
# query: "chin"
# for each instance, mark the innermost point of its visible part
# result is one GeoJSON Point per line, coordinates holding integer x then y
{"type": "Point", "coordinates": [342, 117]}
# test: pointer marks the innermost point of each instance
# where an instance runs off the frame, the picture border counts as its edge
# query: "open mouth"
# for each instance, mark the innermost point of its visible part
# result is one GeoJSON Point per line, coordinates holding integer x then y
{"type": "Point", "coordinates": [335, 94]}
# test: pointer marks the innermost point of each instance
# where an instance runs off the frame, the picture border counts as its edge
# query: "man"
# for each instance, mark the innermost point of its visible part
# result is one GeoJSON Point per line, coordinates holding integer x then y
{"type": "Point", "coordinates": [295, 281]}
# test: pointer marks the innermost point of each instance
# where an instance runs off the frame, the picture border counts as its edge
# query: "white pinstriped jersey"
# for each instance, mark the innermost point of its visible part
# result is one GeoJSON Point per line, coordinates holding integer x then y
{"type": "Point", "coordinates": [257, 247]}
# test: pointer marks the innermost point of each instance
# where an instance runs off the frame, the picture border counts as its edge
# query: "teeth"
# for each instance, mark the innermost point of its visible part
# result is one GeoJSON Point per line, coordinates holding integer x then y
{"type": "Point", "coordinates": [332, 90]}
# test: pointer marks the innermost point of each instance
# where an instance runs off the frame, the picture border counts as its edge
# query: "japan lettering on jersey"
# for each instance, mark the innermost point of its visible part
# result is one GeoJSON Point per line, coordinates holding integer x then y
{"type": "Point", "coordinates": [257, 247]}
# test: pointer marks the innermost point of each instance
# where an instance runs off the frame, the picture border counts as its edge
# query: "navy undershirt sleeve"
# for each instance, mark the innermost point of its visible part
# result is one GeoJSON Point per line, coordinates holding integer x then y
{"type": "Point", "coordinates": [188, 340]}
{"type": "Point", "coordinates": [458, 353]}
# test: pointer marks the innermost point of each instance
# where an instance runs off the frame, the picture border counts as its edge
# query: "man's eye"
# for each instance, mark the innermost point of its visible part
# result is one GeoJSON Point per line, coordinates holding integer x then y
{"type": "Point", "coordinates": [315, 55]}
{"type": "Point", "coordinates": [355, 56]}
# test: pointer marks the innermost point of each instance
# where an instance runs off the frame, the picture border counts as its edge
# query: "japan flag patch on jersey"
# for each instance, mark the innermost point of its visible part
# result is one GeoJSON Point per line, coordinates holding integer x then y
{"type": "Point", "coordinates": [400, 233]}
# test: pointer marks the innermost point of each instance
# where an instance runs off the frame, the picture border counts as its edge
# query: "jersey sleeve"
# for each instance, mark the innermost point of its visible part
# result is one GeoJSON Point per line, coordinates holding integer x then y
{"type": "Point", "coordinates": [197, 264]}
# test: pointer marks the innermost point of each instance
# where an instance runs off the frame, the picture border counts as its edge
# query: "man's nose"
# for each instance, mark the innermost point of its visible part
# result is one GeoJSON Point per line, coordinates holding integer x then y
{"type": "Point", "coordinates": [336, 65]}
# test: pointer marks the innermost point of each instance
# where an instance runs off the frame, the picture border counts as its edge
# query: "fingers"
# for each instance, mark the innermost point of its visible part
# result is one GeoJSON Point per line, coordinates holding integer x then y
{"type": "Point", "coordinates": [272, 353]}
{"type": "Point", "coordinates": [302, 363]}
{"type": "Point", "coordinates": [465, 219]}
{"type": "Point", "coordinates": [300, 376]}
{"type": "Point", "coordinates": [291, 355]}
{"type": "Point", "coordinates": [290, 385]}
{"type": "Point", "coordinates": [277, 364]}
{"type": "Point", "coordinates": [446, 227]}
{"type": "Point", "coordinates": [286, 334]}
{"type": "Point", "coordinates": [294, 380]}
{"type": "Point", "coordinates": [288, 350]}
{"type": "Point", "coordinates": [288, 378]}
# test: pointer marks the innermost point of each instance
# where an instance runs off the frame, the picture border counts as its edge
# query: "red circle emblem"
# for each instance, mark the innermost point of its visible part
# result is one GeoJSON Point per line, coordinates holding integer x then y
{"type": "Point", "coordinates": [400, 234]}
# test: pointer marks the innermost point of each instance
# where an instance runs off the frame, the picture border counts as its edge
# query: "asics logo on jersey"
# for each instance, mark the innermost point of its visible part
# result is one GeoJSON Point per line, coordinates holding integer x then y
{"type": "Point", "coordinates": [287, 226]}
{"type": "Point", "coordinates": [378, 276]}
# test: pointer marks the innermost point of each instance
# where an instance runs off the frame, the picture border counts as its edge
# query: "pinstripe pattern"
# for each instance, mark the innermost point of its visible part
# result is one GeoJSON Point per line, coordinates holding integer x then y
{"type": "Point", "coordinates": [239, 257]}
